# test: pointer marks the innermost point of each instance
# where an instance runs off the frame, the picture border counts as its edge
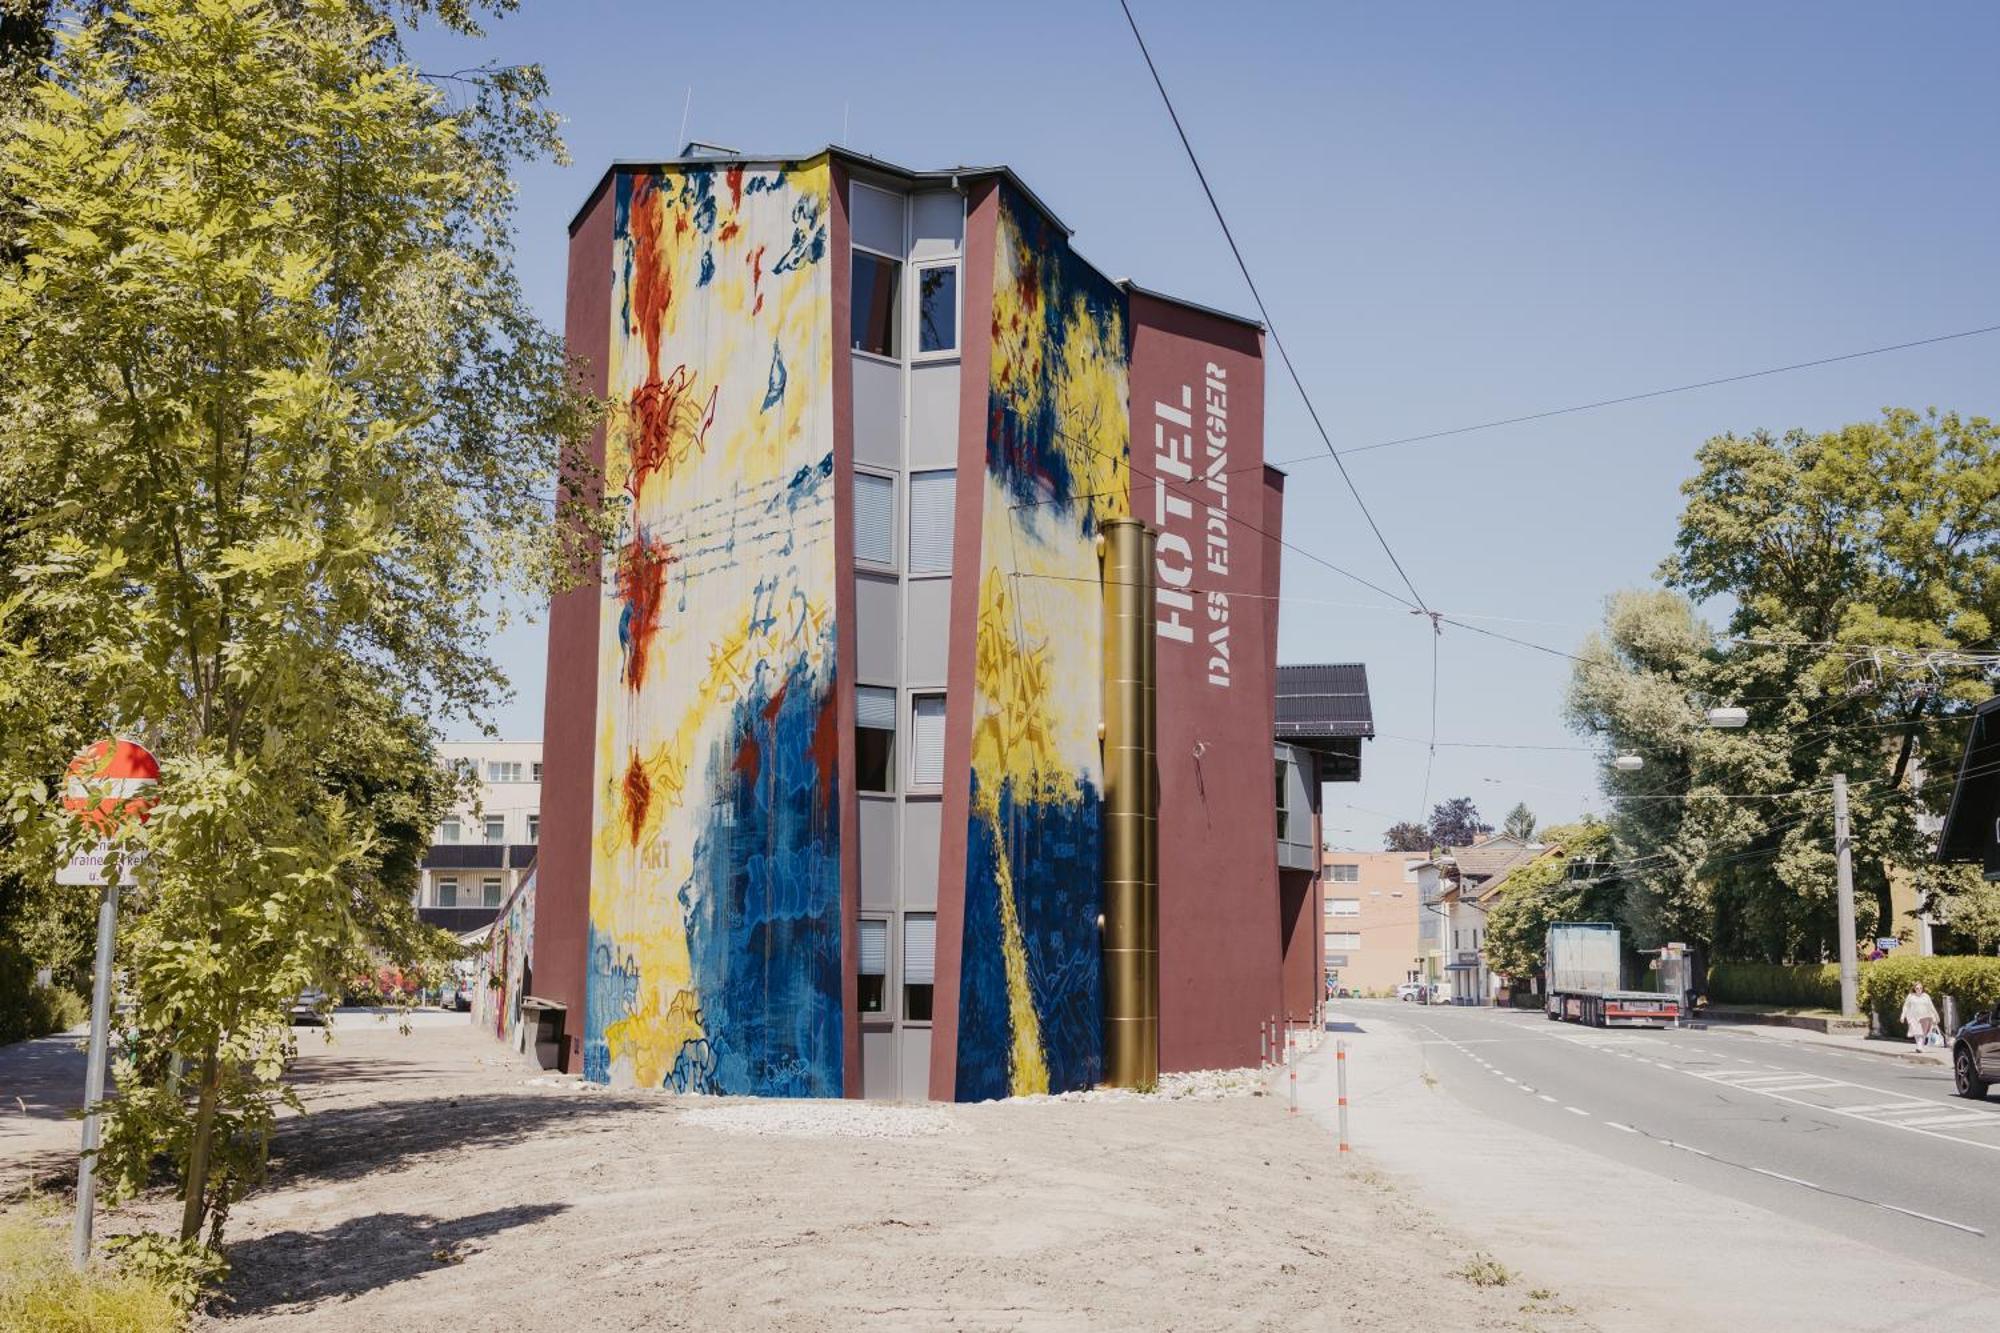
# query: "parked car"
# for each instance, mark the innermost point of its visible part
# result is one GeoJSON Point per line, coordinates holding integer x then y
{"type": "Point", "coordinates": [1413, 990]}
{"type": "Point", "coordinates": [306, 1009]}
{"type": "Point", "coordinates": [1975, 1055]}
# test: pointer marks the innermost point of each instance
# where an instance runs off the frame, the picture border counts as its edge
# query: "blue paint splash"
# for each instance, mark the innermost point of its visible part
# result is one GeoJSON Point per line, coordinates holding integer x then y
{"type": "Point", "coordinates": [1056, 845]}
{"type": "Point", "coordinates": [774, 390]}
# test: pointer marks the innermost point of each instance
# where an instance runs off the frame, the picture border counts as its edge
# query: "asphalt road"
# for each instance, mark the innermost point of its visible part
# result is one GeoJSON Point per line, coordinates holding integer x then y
{"type": "Point", "coordinates": [1876, 1149]}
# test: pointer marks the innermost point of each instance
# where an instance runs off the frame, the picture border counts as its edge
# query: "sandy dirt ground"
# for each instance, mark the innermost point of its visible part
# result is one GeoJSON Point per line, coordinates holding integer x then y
{"type": "Point", "coordinates": [435, 1184]}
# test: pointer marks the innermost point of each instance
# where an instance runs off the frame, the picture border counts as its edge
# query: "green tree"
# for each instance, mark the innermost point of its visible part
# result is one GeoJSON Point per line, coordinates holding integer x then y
{"type": "Point", "coordinates": [1520, 822]}
{"type": "Point", "coordinates": [1543, 892]}
{"type": "Point", "coordinates": [276, 416]}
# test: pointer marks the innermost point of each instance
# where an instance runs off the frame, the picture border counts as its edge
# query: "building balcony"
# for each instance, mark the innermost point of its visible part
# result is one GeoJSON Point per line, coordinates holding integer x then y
{"type": "Point", "coordinates": [458, 920]}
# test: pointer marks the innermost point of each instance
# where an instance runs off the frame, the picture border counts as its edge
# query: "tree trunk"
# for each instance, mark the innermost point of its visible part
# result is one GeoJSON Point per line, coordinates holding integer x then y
{"type": "Point", "coordinates": [198, 1148]}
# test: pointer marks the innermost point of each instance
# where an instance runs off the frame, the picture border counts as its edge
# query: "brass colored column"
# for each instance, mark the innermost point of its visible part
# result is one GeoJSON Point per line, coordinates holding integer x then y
{"type": "Point", "coordinates": [1131, 831]}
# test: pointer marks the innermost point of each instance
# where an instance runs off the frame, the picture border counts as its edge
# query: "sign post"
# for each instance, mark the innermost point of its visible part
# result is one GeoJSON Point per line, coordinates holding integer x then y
{"type": "Point", "coordinates": [107, 787]}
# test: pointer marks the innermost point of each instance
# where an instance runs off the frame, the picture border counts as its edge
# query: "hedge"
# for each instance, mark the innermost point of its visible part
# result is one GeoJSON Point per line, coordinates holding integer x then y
{"type": "Point", "coordinates": [1801, 986]}
{"type": "Point", "coordinates": [1973, 981]}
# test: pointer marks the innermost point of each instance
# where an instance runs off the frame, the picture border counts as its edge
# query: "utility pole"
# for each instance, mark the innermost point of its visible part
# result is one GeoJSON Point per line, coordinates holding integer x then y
{"type": "Point", "coordinates": [93, 1075]}
{"type": "Point", "coordinates": [1850, 1004]}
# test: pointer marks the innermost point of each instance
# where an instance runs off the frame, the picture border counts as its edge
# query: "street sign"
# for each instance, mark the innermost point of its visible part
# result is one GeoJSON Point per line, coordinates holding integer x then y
{"type": "Point", "coordinates": [107, 787]}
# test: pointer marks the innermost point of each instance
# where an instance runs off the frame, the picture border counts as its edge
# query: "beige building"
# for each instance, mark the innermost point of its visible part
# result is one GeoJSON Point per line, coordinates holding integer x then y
{"type": "Point", "coordinates": [483, 849]}
{"type": "Point", "coordinates": [1372, 918]}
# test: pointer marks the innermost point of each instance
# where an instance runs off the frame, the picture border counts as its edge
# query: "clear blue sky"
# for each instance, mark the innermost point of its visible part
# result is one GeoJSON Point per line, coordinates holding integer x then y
{"type": "Point", "coordinates": [1458, 212]}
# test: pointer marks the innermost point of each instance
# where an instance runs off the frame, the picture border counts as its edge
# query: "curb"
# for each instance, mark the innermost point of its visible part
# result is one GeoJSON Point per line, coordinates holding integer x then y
{"type": "Point", "coordinates": [1902, 1056]}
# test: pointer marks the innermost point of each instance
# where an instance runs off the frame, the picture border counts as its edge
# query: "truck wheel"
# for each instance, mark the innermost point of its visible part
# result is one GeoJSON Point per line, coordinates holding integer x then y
{"type": "Point", "coordinates": [1964, 1079]}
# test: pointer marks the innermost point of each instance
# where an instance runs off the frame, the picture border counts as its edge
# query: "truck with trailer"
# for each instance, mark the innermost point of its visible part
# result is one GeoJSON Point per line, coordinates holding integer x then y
{"type": "Point", "coordinates": [1585, 968]}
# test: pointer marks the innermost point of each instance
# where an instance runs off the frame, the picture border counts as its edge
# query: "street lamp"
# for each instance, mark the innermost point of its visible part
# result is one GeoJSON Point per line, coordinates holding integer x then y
{"type": "Point", "coordinates": [1628, 763]}
{"type": "Point", "coordinates": [1728, 718]}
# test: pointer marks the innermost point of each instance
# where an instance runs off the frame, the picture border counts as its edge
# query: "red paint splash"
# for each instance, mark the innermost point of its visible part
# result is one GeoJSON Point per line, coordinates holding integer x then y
{"type": "Point", "coordinates": [652, 276]}
{"type": "Point", "coordinates": [728, 231]}
{"type": "Point", "coordinates": [756, 277]}
{"type": "Point", "coordinates": [749, 757]}
{"type": "Point", "coordinates": [638, 789]}
{"type": "Point", "coordinates": [661, 412]}
{"type": "Point", "coordinates": [642, 581]}
{"type": "Point", "coordinates": [1028, 283]}
{"type": "Point", "coordinates": [826, 748]}
{"type": "Point", "coordinates": [734, 176]}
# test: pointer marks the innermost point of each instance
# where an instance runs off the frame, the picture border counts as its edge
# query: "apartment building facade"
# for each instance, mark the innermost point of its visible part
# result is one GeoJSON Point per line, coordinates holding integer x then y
{"type": "Point", "coordinates": [1373, 919]}
{"type": "Point", "coordinates": [827, 804]}
{"type": "Point", "coordinates": [482, 850]}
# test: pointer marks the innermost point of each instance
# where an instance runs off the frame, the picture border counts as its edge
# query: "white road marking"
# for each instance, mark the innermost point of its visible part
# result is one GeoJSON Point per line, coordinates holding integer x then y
{"type": "Point", "coordinates": [1511, 1079]}
{"type": "Point", "coordinates": [1625, 1128]}
{"type": "Point", "coordinates": [1961, 1118]}
{"type": "Point", "coordinates": [1545, 1097]}
{"type": "Point", "coordinates": [1684, 1147]}
{"type": "Point", "coordinates": [1577, 1110]}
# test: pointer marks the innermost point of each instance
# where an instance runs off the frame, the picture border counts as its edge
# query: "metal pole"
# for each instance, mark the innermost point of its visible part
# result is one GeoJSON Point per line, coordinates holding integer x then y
{"type": "Point", "coordinates": [93, 1079]}
{"type": "Point", "coordinates": [1850, 1003]}
{"type": "Point", "coordinates": [1340, 1065]}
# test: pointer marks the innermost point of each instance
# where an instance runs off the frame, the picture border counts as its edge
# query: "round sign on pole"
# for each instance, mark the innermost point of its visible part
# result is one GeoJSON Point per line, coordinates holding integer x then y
{"type": "Point", "coordinates": [111, 784]}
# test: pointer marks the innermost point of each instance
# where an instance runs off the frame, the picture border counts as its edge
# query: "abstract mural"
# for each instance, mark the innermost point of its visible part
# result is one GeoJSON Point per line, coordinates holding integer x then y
{"type": "Point", "coordinates": [715, 920]}
{"type": "Point", "coordinates": [506, 969]}
{"type": "Point", "coordinates": [1057, 445]}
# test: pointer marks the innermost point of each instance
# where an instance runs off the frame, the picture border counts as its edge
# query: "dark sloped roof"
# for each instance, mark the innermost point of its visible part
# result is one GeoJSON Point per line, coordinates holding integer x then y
{"type": "Point", "coordinates": [1975, 797]}
{"type": "Point", "coordinates": [1324, 701]}
{"type": "Point", "coordinates": [1485, 866]}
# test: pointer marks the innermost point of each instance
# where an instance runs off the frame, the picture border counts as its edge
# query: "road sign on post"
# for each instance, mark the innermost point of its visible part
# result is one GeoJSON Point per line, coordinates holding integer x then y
{"type": "Point", "coordinates": [108, 787]}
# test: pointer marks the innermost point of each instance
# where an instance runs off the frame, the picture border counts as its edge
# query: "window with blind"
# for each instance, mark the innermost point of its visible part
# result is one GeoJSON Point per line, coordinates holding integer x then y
{"type": "Point", "coordinates": [874, 968]}
{"type": "Point", "coordinates": [932, 498]}
{"type": "Point", "coordinates": [919, 964]}
{"type": "Point", "coordinates": [874, 519]}
{"type": "Point", "coordinates": [874, 738]}
{"type": "Point", "coordinates": [446, 893]}
{"type": "Point", "coordinates": [927, 740]}
{"type": "Point", "coordinates": [489, 889]}
{"type": "Point", "coordinates": [1343, 939]}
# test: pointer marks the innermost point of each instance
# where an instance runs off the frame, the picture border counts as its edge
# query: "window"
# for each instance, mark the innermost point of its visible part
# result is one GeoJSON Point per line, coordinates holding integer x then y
{"type": "Point", "coordinates": [873, 298]}
{"type": "Point", "coordinates": [534, 772]}
{"type": "Point", "coordinates": [534, 826]}
{"type": "Point", "coordinates": [489, 891]}
{"type": "Point", "coordinates": [1284, 815]}
{"type": "Point", "coordinates": [1336, 960]}
{"type": "Point", "coordinates": [503, 771]}
{"type": "Point", "coordinates": [927, 740]}
{"type": "Point", "coordinates": [919, 954]}
{"type": "Point", "coordinates": [874, 738]}
{"type": "Point", "coordinates": [933, 495]}
{"type": "Point", "coordinates": [874, 518]}
{"type": "Point", "coordinates": [1343, 939]}
{"type": "Point", "coordinates": [447, 892]}
{"type": "Point", "coordinates": [1345, 873]}
{"type": "Point", "coordinates": [449, 830]}
{"type": "Point", "coordinates": [937, 308]}
{"type": "Point", "coordinates": [1343, 907]}
{"type": "Point", "coordinates": [874, 969]}
{"type": "Point", "coordinates": [496, 829]}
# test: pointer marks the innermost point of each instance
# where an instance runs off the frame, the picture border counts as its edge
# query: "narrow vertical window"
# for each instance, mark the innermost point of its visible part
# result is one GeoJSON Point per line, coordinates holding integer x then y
{"type": "Point", "coordinates": [927, 740]}
{"type": "Point", "coordinates": [874, 738]}
{"type": "Point", "coordinates": [489, 888]}
{"type": "Point", "coordinates": [937, 308]}
{"type": "Point", "coordinates": [447, 892]}
{"type": "Point", "coordinates": [933, 497]}
{"type": "Point", "coordinates": [534, 826]}
{"type": "Point", "coordinates": [450, 830]}
{"type": "Point", "coordinates": [873, 300]}
{"type": "Point", "coordinates": [919, 964]}
{"type": "Point", "coordinates": [496, 829]}
{"type": "Point", "coordinates": [874, 519]}
{"type": "Point", "coordinates": [874, 968]}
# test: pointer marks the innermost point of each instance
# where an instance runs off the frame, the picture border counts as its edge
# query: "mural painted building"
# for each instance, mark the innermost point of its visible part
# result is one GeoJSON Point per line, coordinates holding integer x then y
{"type": "Point", "coordinates": [822, 809]}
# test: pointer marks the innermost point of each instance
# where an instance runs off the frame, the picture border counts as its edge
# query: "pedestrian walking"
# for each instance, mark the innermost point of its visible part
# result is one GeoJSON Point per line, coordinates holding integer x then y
{"type": "Point", "coordinates": [1920, 1016]}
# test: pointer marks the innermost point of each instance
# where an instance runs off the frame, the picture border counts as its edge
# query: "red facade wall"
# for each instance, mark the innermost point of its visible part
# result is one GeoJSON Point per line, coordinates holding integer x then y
{"type": "Point", "coordinates": [569, 709]}
{"type": "Point", "coordinates": [982, 210]}
{"type": "Point", "coordinates": [1219, 909]}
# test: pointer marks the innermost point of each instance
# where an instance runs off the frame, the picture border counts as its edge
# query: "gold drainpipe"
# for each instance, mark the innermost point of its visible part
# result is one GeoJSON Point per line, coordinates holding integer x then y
{"type": "Point", "coordinates": [1131, 827]}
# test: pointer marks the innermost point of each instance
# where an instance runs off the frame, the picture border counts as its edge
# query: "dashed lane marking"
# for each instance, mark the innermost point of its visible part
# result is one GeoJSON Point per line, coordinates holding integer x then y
{"type": "Point", "coordinates": [1577, 1110]}
{"type": "Point", "coordinates": [1627, 1129]}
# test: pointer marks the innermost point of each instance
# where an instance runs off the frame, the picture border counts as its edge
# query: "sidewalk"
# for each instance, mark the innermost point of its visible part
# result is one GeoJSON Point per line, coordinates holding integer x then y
{"type": "Point", "coordinates": [1636, 1249]}
{"type": "Point", "coordinates": [1886, 1047]}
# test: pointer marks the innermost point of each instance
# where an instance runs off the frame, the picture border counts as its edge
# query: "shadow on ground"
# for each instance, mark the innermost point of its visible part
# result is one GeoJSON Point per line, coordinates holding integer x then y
{"type": "Point", "coordinates": [345, 1143]}
{"type": "Point", "coordinates": [358, 1255]}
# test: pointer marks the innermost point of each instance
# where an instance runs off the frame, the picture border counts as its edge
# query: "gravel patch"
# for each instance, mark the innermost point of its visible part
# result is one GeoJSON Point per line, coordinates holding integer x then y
{"type": "Point", "coordinates": [824, 1120]}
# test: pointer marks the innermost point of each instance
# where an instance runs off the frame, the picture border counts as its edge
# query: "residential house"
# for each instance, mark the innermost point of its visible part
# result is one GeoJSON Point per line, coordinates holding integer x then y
{"type": "Point", "coordinates": [1458, 888]}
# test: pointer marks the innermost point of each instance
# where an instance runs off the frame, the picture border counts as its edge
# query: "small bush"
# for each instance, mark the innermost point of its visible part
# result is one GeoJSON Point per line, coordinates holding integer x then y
{"type": "Point", "coordinates": [39, 1293]}
{"type": "Point", "coordinates": [28, 1010]}
{"type": "Point", "coordinates": [1483, 1270]}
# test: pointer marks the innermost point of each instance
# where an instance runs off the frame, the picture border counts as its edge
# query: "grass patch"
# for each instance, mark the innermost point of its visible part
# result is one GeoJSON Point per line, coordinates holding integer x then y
{"type": "Point", "coordinates": [1483, 1270]}
{"type": "Point", "coordinates": [39, 1293]}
